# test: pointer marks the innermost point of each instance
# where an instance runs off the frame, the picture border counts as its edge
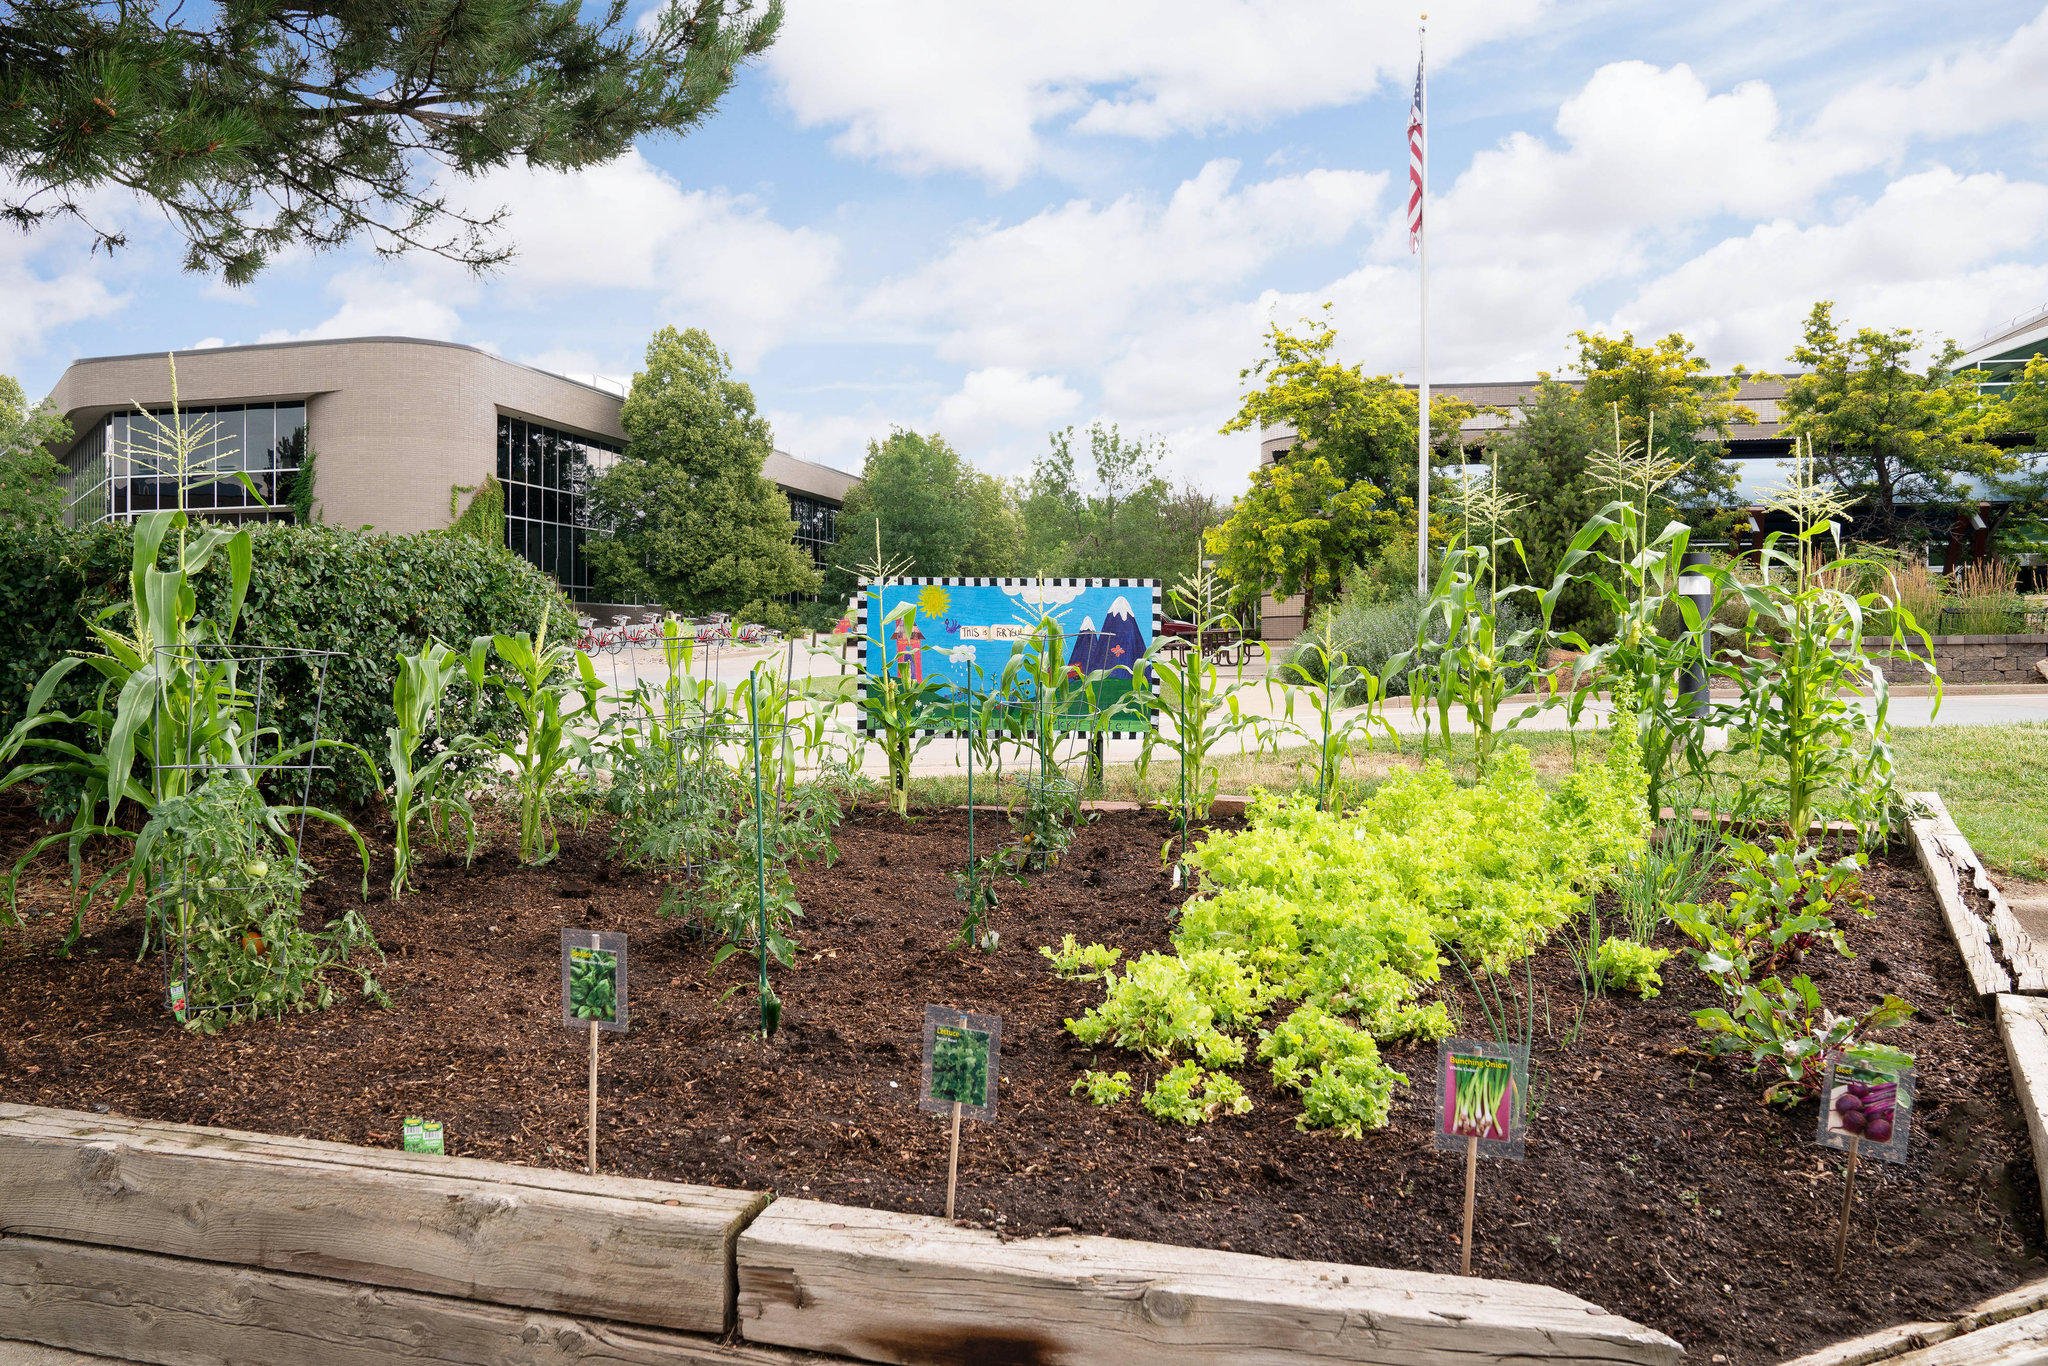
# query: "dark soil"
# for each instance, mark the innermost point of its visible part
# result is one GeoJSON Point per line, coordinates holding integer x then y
{"type": "Point", "coordinates": [1656, 1183]}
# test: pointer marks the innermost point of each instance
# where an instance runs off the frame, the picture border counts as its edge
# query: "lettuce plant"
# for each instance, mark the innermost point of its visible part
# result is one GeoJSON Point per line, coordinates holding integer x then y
{"type": "Point", "coordinates": [1626, 965]}
{"type": "Point", "coordinates": [1102, 1088]}
{"type": "Point", "coordinates": [1189, 1095]}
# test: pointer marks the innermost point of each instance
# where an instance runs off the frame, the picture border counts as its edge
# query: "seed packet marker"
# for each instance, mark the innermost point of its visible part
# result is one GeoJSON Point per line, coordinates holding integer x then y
{"type": "Point", "coordinates": [593, 997]}
{"type": "Point", "coordinates": [1481, 1089]}
{"type": "Point", "coordinates": [962, 1054]}
{"type": "Point", "coordinates": [1863, 1108]}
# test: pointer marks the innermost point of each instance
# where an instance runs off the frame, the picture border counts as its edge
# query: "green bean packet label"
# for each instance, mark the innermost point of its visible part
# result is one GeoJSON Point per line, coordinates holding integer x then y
{"type": "Point", "coordinates": [1482, 1093]}
{"type": "Point", "coordinates": [962, 1056]}
{"type": "Point", "coordinates": [431, 1138]}
{"type": "Point", "coordinates": [414, 1130]}
{"type": "Point", "coordinates": [176, 997]}
{"type": "Point", "coordinates": [594, 980]}
{"type": "Point", "coordinates": [1867, 1109]}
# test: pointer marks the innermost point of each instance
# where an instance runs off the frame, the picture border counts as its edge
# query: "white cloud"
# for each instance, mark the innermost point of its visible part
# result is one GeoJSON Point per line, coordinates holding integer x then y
{"type": "Point", "coordinates": [1003, 397]}
{"type": "Point", "coordinates": [1064, 285]}
{"type": "Point", "coordinates": [1930, 252]}
{"type": "Point", "coordinates": [51, 278]}
{"type": "Point", "coordinates": [1995, 86]}
{"type": "Point", "coordinates": [930, 85]}
{"type": "Point", "coordinates": [373, 305]}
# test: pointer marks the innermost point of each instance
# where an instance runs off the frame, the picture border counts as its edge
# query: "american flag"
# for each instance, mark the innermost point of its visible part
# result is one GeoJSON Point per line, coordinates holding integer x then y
{"type": "Point", "coordinates": [1415, 165]}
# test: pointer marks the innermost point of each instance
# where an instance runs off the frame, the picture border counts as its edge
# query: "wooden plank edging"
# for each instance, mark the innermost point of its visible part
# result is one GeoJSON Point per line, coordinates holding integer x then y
{"type": "Point", "coordinates": [904, 1289]}
{"type": "Point", "coordinates": [1934, 837]}
{"type": "Point", "coordinates": [142, 1307]}
{"type": "Point", "coordinates": [644, 1252]}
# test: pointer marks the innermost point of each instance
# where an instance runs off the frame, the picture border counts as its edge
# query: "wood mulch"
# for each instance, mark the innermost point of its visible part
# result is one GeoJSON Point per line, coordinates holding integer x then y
{"type": "Point", "coordinates": [1655, 1183]}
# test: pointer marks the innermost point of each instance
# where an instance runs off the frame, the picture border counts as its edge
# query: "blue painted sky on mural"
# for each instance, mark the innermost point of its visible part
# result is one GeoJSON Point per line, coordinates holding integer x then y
{"type": "Point", "coordinates": [1000, 217]}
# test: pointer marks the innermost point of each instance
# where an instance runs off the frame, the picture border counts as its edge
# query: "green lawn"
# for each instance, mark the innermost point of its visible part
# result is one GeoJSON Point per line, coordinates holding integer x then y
{"type": "Point", "coordinates": [1993, 778]}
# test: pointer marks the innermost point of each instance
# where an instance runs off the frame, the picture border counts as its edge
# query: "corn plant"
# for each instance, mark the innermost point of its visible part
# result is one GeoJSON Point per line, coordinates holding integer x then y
{"type": "Point", "coordinates": [896, 707]}
{"type": "Point", "coordinates": [1800, 668]}
{"type": "Point", "coordinates": [1323, 677]}
{"type": "Point", "coordinates": [423, 788]}
{"type": "Point", "coordinates": [554, 690]}
{"type": "Point", "coordinates": [1205, 715]}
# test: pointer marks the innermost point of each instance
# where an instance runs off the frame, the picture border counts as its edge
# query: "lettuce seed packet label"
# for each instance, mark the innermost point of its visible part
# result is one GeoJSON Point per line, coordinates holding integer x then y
{"type": "Point", "coordinates": [414, 1131]}
{"type": "Point", "coordinates": [594, 980]}
{"type": "Point", "coordinates": [1867, 1109]}
{"type": "Point", "coordinates": [431, 1140]}
{"type": "Point", "coordinates": [1482, 1093]}
{"type": "Point", "coordinates": [962, 1055]}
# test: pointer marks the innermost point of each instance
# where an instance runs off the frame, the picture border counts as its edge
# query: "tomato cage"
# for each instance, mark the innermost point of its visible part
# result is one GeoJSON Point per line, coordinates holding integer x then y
{"type": "Point", "coordinates": [232, 748]}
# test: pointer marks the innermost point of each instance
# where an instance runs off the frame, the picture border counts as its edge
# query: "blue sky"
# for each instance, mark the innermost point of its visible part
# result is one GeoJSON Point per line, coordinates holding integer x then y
{"type": "Point", "coordinates": [995, 218]}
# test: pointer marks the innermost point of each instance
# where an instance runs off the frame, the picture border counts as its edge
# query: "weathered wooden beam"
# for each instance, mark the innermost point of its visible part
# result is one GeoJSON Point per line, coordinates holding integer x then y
{"type": "Point", "coordinates": [1929, 835]}
{"type": "Point", "coordinates": [1881, 1346]}
{"type": "Point", "coordinates": [2023, 1022]}
{"type": "Point", "coordinates": [138, 1306]}
{"type": "Point", "coordinates": [637, 1251]}
{"type": "Point", "coordinates": [2015, 1342]}
{"type": "Point", "coordinates": [903, 1288]}
{"type": "Point", "coordinates": [35, 1354]}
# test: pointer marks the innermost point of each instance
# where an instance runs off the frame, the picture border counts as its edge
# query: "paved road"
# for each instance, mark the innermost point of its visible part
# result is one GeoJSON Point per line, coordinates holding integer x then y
{"type": "Point", "coordinates": [947, 756]}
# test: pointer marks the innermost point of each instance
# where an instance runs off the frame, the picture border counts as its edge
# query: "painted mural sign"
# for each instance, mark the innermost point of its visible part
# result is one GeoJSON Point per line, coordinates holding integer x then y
{"type": "Point", "coordinates": [963, 634]}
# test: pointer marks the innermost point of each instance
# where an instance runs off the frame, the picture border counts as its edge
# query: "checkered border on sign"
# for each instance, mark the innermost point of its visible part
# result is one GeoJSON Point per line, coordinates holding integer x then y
{"type": "Point", "coordinates": [860, 624]}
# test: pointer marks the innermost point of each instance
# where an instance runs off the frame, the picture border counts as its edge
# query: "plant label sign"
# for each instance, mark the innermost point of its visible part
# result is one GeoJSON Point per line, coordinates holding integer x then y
{"type": "Point", "coordinates": [424, 1136]}
{"type": "Point", "coordinates": [962, 1054]}
{"type": "Point", "coordinates": [176, 995]}
{"type": "Point", "coordinates": [1867, 1110]}
{"type": "Point", "coordinates": [594, 980]}
{"type": "Point", "coordinates": [1482, 1092]}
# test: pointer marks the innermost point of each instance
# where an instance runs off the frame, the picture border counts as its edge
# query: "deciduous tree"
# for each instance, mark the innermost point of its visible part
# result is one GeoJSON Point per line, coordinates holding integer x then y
{"type": "Point", "coordinates": [687, 518]}
{"type": "Point", "coordinates": [29, 492]}
{"type": "Point", "coordinates": [1885, 430]}
{"type": "Point", "coordinates": [1298, 529]}
{"type": "Point", "coordinates": [918, 490]}
{"type": "Point", "coordinates": [1364, 425]}
{"type": "Point", "coordinates": [1692, 409]}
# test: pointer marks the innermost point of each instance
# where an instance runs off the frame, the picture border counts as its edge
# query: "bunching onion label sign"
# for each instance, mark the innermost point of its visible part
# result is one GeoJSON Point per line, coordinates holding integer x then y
{"type": "Point", "coordinates": [1483, 1089]}
{"type": "Point", "coordinates": [1866, 1110]}
{"type": "Point", "coordinates": [962, 1052]}
{"type": "Point", "coordinates": [594, 980]}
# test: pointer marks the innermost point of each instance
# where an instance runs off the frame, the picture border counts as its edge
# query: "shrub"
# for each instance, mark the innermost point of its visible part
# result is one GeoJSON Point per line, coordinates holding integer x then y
{"type": "Point", "coordinates": [1190, 1095]}
{"type": "Point", "coordinates": [1370, 631]}
{"type": "Point", "coordinates": [1625, 965]}
{"type": "Point", "coordinates": [369, 597]}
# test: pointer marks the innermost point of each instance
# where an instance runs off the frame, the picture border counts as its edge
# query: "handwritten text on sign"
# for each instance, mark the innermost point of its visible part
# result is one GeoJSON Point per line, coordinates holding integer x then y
{"type": "Point", "coordinates": [995, 631]}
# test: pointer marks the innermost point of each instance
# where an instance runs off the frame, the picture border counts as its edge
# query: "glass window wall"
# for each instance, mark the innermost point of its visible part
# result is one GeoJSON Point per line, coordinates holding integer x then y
{"type": "Point", "coordinates": [547, 475]}
{"type": "Point", "coordinates": [129, 463]}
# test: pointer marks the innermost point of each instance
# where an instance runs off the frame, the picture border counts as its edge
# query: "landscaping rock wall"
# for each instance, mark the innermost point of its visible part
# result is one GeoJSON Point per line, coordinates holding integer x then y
{"type": "Point", "coordinates": [1975, 659]}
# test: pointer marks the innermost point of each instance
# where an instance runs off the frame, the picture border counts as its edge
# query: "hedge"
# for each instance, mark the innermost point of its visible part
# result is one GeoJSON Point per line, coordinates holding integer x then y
{"type": "Point", "coordinates": [367, 596]}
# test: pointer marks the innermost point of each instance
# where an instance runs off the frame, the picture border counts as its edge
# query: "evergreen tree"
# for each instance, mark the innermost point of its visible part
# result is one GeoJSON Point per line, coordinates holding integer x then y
{"type": "Point", "coordinates": [1545, 461]}
{"type": "Point", "coordinates": [29, 492]}
{"type": "Point", "coordinates": [1886, 432]}
{"type": "Point", "coordinates": [258, 126]}
{"type": "Point", "coordinates": [687, 517]}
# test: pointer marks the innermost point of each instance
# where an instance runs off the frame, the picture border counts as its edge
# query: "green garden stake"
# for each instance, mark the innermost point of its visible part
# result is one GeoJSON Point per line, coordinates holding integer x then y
{"type": "Point", "coordinates": [771, 1005]}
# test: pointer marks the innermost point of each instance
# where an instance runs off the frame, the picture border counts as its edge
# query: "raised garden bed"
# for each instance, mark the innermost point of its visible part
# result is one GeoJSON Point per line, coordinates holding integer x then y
{"type": "Point", "coordinates": [1655, 1185]}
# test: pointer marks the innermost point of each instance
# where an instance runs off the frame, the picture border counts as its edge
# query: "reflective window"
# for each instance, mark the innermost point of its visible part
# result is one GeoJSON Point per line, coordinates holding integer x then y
{"type": "Point", "coordinates": [547, 474]}
{"type": "Point", "coordinates": [155, 460]}
{"type": "Point", "coordinates": [816, 524]}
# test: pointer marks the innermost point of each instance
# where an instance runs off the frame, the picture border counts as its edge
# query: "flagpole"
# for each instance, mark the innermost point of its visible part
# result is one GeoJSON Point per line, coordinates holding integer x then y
{"type": "Point", "coordinates": [1422, 252]}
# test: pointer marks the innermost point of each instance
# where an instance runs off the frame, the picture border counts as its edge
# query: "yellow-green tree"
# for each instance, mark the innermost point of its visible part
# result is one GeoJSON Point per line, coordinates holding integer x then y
{"type": "Point", "coordinates": [1693, 409]}
{"type": "Point", "coordinates": [1364, 425]}
{"type": "Point", "coordinates": [1298, 529]}
{"type": "Point", "coordinates": [1886, 431]}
